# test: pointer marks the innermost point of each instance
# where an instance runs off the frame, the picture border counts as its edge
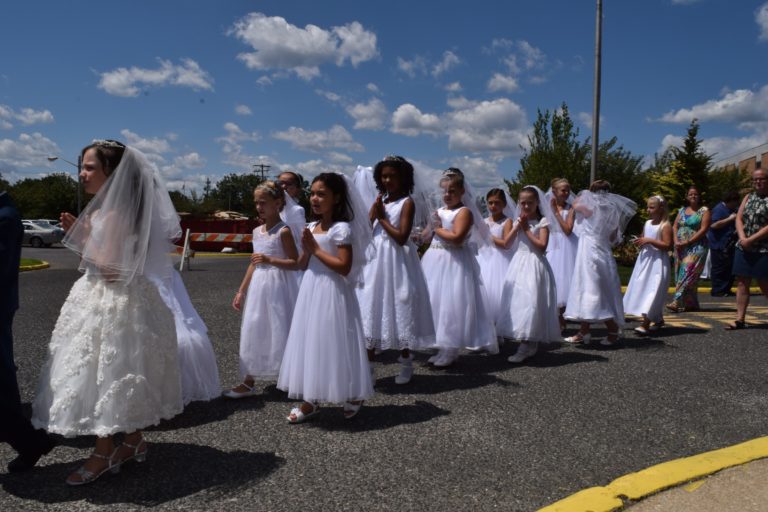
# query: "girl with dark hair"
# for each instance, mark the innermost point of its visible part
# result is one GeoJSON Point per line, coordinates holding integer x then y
{"type": "Point", "coordinates": [495, 257]}
{"type": "Point", "coordinates": [395, 300]}
{"type": "Point", "coordinates": [528, 311]}
{"type": "Point", "coordinates": [325, 358]}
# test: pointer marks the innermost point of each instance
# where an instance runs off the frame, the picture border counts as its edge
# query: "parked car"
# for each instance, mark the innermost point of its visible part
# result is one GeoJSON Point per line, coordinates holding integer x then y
{"type": "Point", "coordinates": [38, 234]}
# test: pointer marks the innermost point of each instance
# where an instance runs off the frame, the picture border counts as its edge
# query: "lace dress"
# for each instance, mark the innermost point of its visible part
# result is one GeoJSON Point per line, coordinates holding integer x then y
{"type": "Point", "coordinates": [268, 309]}
{"type": "Point", "coordinates": [112, 361]}
{"type": "Point", "coordinates": [647, 289]}
{"type": "Point", "coordinates": [325, 358]}
{"type": "Point", "coordinates": [529, 296]}
{"type": "Point", "coordinates": [395, 300]}
{"type": "Point", "coordinates": [494, 262]}
{"type": "Point", "coordinates": [459, 305]}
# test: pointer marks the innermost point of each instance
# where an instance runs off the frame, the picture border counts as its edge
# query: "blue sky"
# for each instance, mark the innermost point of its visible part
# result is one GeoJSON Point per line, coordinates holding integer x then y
{"type": "Point", "coordinates": [207, 88]}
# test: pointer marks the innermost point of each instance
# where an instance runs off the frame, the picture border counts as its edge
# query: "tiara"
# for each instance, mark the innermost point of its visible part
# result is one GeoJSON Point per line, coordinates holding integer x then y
{"type": "Point", "coordinates": [453, 171]}
{"type": "Point", "coordinates": [107, 143]}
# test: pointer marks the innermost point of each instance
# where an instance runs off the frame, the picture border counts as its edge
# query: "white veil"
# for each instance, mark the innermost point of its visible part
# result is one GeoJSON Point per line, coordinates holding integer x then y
{"type": "Point", "coordinates": [294, 217]}
{"type": "Point", "coordinates": [362, 233]}
{"type": "Point", "coordinates": [365, 184]}
{"type": "Point", "coordinates": [603, 214]}
{"type": "Point", "coordinates": [128, 226]}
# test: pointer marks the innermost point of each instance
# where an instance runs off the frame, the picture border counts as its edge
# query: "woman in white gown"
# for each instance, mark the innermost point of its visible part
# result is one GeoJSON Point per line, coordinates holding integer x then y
{"type": "Point", "coordinates": [394, 300]}
{"type": "Point", "coordinates": [494, 258]}
{"type": "Point", "coordinates": [267, 294]}
{"type": "Point", "coordinates": [113, 358]}
{"type": "Point", "coordinates": [460, 309]}
{"type": "Point", "coordinates": [325, 358]}
{"type": "Point", "coordinates": [563, 242]}
{"type": "Point", "coordinates": [595, 294]}
{"type": "Point", "coordinates": [648, 285]}
{"type": "Point", "coordinates": [528, 311]}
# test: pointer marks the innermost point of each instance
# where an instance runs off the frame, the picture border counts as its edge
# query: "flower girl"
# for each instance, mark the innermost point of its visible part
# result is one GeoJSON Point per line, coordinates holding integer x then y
{"type": "Point", "coordinates": [495, 257]}
{"type": "Point", "coordinates": [395, 300]}
{"type": "Point", "coordinates": [648, 285]}
{"type": "Point", "coordinates": [325, 358]}
{"type": "Point", "coordinates": [267, 294]}
{"type": "Point", "coordinates": [456, 292]}
{"type": "Point", "coordinates": [528, 311]}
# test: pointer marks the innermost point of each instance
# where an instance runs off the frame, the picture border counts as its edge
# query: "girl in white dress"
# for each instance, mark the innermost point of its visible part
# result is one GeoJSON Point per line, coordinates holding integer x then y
{"type": "Point", "coordinates": [494, 258]}
{"type": "Point", "coordinates": [325, 358]}
{"type": "Point", "coordinates": [648, 285]}
{"type": "Point", "coordinates": [460, 309]}
{"type": "Point", "coordinates": [561, 251]}
{"type": "Point", "coordinates": [197, 361]}
{"type": "Point", "coordinates": [113, 359]}
{"type": "Point", "coordinates": [395, 300]}
{"type": "Point", "coordinates": [267, 294]}
{"type": "Point", "coordinates": [595, 294]}
{"type": "Point", "coordinates": [528, 310]}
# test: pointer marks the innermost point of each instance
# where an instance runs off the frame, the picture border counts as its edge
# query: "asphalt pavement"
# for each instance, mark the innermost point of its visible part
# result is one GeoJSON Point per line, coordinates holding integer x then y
{"type": "Point", "coordinates": [482, 435]}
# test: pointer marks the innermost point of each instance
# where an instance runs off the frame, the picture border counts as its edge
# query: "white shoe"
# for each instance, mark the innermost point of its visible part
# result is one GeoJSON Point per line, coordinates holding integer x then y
{"type": "Point", "coordinates": [241, 394]}
{"type": "Point", "coordinates": [524, 351]}
{"type": "Point", "coordinates": [446, 357]}
{"type": "Point", "coordinates": [406, 370]}
{"type": "Point", "coordinates": [586, 339]}
{"type": "Point", "coordinates": [608, 343]}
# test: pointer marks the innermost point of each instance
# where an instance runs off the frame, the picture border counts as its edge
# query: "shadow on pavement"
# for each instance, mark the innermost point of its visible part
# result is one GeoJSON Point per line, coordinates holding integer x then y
{"type": "Point", "coordinates": [172, 471]}
{"type": "Point", "coordinates": [372, 418]}
{"type": "Point", "coordinates": [200, 413]}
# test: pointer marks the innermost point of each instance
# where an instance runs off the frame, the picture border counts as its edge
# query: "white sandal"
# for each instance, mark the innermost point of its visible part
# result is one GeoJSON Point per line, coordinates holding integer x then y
{"type": "Point", "coordinates": [608, 342]}
{"type": "Point", "coordinates": [351, 410]}
{"type": "Point", "coordinates": [299, 416]}
{"type": "Point", "coordinates": [231, 393]}
{"type": "Point", "coordinates": [579, 338]}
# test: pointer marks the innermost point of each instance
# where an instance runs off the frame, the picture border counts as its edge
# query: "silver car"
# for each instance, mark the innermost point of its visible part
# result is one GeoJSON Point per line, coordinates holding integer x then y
{"type": "Point", "coordinates": [38, 234]}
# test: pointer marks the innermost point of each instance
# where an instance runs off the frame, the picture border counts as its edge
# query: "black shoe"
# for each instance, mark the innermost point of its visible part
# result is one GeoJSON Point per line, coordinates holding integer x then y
{"type": "Point", "coordinates": [27, 460]}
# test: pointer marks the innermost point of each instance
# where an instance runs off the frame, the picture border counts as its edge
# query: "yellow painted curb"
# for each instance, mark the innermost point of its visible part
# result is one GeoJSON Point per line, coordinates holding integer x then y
{"type": "Point", "coordinates": [641, 484]}
{"type": "Point", "coordinates": [41, 266]}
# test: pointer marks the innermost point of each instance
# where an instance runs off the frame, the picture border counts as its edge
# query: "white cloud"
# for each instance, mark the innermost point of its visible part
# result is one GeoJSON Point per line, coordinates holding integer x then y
{"type": "Point", "coordinates": [373, 88]}
{"type": "Point", "coordinates": [243, 110]}
{"type": "Point", "coordinates": [330, 96]}
{"type": "Point", "coordinates": [337, 137]}
{"type": "Point", "coordinates": [499, 82]}
{"type": "Point", "coordinates": [741, 106]}
{"type": "Point", "coordinates": [586, 119]}
{"type": "Point", "coordinates": [460, 102]}
{"type": "Point", "coordinates": [719, 147]}
{"type": "Point", "coordinates": [232, 145]}
{"type": "Point", "coordinates": [153, 148]}
{"type": "Point", "coordinates": [489, 126]}
{"type": "Point", "coordinates": [29, 150]}
{"type": "Point", "coordinates": [26, 116]}
{"type": "Point", "coordinates": [482, 173]}
{"type": "Point", "coordinates": [453, 87]}
{"type": "Point", "coordinates": [450, 60]}
{"type": "Point", "coordinates": [127, 82]}
{"type": "Point", "coordinates": [369, 116]}
{"type": "Point", "coordinates": [761, 18]}
{"type": "Point", "coordinates": [413, 67]}
{"type": "Point", "coordinates": [264, 80]}
{"type": "Point", "coordinates": [182, 163]}
{"type": "Point", "coordinates": [279, 45]}
{"type": "Point", "coordinates": [409, 120]}
{"type": "Point", "coordinates": [340, 158]}
{"type": "Point", "coordinates": [312, 168]}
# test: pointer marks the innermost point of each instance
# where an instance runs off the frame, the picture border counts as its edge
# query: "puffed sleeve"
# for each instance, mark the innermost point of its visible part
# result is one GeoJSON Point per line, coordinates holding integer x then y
{"type": "Point", "coordinates": [543, 222]}
{"type": "Point", "coordinates": [340, 233]}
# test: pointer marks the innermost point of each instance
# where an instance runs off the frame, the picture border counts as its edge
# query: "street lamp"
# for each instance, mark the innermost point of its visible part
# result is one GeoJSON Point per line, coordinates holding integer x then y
{"type": "Point", "coordinates": [79, 188]}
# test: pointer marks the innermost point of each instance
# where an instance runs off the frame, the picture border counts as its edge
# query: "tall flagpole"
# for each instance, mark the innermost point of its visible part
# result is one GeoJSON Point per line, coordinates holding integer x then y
{"type": "Point", "coordinates": [596, 105]}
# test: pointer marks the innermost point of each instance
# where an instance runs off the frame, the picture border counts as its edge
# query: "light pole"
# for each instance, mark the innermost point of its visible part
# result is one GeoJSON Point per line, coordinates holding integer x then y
{"type": "Point", "coordinates": [79, 188]}
{"type": "Point", "coordinates": [596, 103]}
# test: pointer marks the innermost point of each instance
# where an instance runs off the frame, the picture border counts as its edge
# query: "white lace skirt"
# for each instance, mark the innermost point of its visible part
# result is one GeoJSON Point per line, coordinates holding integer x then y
{"type": "Point", "coordinates": [112, 362]}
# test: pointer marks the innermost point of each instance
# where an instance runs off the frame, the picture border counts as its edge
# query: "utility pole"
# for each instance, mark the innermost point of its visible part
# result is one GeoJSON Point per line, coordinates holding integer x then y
{"type": "Point", "coordinates": [261, 169]}
{"type": "Point", "coordinates": [596, 104]}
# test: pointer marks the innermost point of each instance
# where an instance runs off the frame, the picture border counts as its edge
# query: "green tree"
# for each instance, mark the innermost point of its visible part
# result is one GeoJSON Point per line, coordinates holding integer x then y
{"type": "Point", "coordinates": [235, 192]}
{"type": "Point", "coordinates": [47, 197]}
{"type": "Point", "coordinates": [680, 167]}
{"type": "Point", "coordinates": [554, 151]}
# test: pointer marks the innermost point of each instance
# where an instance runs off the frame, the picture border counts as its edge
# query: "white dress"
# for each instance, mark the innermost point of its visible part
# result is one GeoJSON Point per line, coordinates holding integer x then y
{"type": "Point", "coordinates": [493, 262]}
{"type": "Point", "coordinates": [529, 298]}
{"type": "Point", "coordinates": [648, 285]}
{"type": "Point", "coordinates": [325, 358]}
{"type": "Point", "coordinates": [197, 361]}
{"type": "Point", "coordinates": [595, 293]}
{"type": "Point", "coordinates": [268, 309]}
{"type": "Point", "coordinates": [561, 254]}
{"type": "Point", "coordinates": [459, 304]}
{"type": "Point", "coordinates": [395, 301]}
{"type": "Point", "coordinates": [112, 361]}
